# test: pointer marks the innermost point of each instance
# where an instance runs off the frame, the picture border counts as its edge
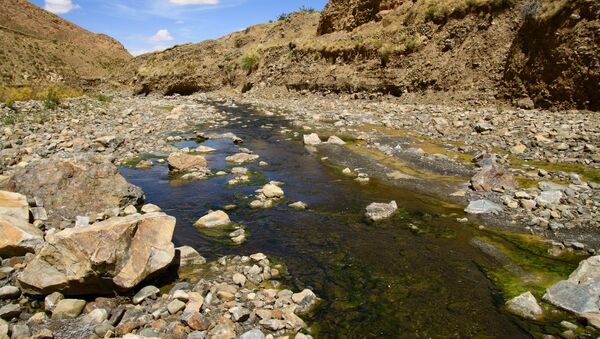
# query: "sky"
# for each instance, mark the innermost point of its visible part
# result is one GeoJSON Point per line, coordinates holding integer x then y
{"type": "Point", "coordinates": [144, 26]}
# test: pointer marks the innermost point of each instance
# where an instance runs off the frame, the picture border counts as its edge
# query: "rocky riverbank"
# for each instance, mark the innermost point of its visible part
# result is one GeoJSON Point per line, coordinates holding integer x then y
{"type": "Point", "coordinates": [78, 232]}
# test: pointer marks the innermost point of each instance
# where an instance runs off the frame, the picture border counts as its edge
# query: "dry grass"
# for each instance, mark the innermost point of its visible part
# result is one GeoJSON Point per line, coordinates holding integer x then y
{"type": "Point", "coordinates": [10, 95]}
{"type": "Point", "coordinates": [440, 10]}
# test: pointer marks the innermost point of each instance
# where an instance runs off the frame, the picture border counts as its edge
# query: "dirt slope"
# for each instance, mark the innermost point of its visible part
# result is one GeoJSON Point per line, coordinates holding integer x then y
{"type": "Point", "coordinates": [37, 47]}
{"type": "Point", "coordinates": [462, 51]}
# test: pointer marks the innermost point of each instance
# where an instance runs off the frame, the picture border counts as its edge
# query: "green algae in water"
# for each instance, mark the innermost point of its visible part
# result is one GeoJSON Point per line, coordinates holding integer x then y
{"type": "Point", "coordinates": [220, 234]}
{"type": "Point", "coordinates": [256, 178]}
{"type": "Point", "coordinates": [526, 264]}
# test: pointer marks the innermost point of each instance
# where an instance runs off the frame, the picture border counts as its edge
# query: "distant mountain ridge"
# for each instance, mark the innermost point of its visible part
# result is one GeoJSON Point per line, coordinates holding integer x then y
{"type": "Point", "coordinates": [38, 47]}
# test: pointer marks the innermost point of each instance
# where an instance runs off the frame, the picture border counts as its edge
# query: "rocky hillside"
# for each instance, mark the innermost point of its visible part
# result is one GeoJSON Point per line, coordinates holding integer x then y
{"type": "Point", "coordinates": [40, 47]}
{"type": "Point", "coordinates": [523, 52]}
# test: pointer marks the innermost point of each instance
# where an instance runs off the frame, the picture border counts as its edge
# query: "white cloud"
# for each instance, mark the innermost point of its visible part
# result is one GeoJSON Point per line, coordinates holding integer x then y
{"type": "Point", "coordinates": [60, 6]}
{"type": "Point", "coordinates": [161, 35]}
{"type": "Point", "coordinates": [194, 2]}
{"type": "Point", "coordinates": [158, 48]}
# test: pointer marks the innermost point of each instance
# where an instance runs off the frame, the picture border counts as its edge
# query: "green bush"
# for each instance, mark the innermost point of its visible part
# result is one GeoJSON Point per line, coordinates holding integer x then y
{"type": "Point", "coordinates": [430, 13]}
{"type": "Point", "coordinates": [104, 98]}
{"type": "Point", "coordinates": [52, 100]}
{"type": "Point", "coordinates": [250, 61]}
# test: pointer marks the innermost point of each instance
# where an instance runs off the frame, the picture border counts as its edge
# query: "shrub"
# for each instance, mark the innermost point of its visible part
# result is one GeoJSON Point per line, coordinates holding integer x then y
{"type": "Point", "coordinates": [283, 16]}
{"type": "Point", "coordinates": [104, 98]}
{"type": "Point", "coordinates": [250, 61]}
{"type": "Point", "coordinates": [52, 100]}
{"type": "Point", "coordinates": [430, 13]}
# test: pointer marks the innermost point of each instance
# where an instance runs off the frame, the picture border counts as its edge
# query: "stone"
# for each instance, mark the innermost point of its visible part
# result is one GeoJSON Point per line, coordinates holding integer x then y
{"type": "Point", "coordinates": [518, 149]}
{"type": "Point", "coordinates": [66, 185]}
{"type": "Point", "coordinates": [188, 257]}
{"type": "Point", "coordinates": [335, 140]}
{"type": "Point", "coordinates": [68, 309]}
{"type": "Point", "coordinates": [18, 236]}
{"type": "Point", "coordinates": [195, 301]}
{"type": "Point", "coordinates": [129, 210]}
{"type": "Point", "coordinates": [10, 311]}
{"type": "Point", "coordinates": [379, 211]}
{"type": "Point", "coordinates": [580, 292]}
{"type": "Point", "coordinates": [14, 205]}
{"type": "Point", "coordinates": [146, 292]}
{"type": "Point", "coordinates": [223, 329]}
{"type": "Point", "coordinates": [175, 306]}
{"type": "Point", "coordinates": [305, 300]}
{"type": "Point", "coordinates": [82, 221]}
{"type": "Point", "coordinates": [525, 103]}
{"type": "Point", "coordinates": [144, 164]}
{"type": "Point", "coordinates": [239, 314]}
{"type": "Point", "coordinates": [525, 306]}
{"type": "Point", "coordinates": [252, 334]}
{"type": "Point", "coordinates": [9, 292]}
{"type": "Point", "coordinates": [213, 219]}
{"type": "Point", "coordinates": [102, 329]}
{"type": "Point", "coordinates": [150, 208]}
{"type": "Point", "coordinates": [549, 198]}
{"type": "Point", "coordinates": [272, 324]}
{"type": "Point", "coordinates": [491, 176]}
{"type": "Point", "coordinates": [97, 316]}
{"type": "Point", "coordinates": [204, 149]}
{"type": "Point", "coordinates": [52, 300]}
{"type": "Point", "coordinates": [20, 331]}
{"type": "Point", "coordinates": [312, 139]}
{"type": "Point", "coordinates": [242, 158]}
{"type": "Point", "coordinates": [197, 335]}
{"type": "Point", "coordinates": [195, 320]}
{"type": "Point", "coordinates": [181, 162]}
{"type": "Point", "coordinates": [122, 250]}
{"type": "Point", "coordinates": [239, 279]}
{"type": "Point", "coordinates": [272, 191]}
{"type": "Point", "coordinates": [483, 206]}
{"type": "Point", "coordinates": [299, 205]}
{"type": "Point", "coordinates": [181, 295]}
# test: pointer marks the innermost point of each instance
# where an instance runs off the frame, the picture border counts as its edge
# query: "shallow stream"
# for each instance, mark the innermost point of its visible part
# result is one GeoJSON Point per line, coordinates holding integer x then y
{"type": "Point", "coordinates": [415, 275]}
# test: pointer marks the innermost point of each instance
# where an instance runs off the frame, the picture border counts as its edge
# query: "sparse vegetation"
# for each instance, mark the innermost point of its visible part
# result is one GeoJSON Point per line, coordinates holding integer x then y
{"type": "Point", "coordinates": [250, 61]}
{"type": "Point", "coordinates": [52, 100]}
{"type": "Point", "coordinates": [103, 98]}
{"type": "Point", "coordinates": [52, 94]}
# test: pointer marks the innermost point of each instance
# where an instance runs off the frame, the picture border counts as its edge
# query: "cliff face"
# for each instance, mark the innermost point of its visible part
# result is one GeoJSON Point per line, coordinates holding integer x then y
{"type": "Point", "coordinates": [38, 47]}
{"type": "Point", "coordinates": [465, 51]}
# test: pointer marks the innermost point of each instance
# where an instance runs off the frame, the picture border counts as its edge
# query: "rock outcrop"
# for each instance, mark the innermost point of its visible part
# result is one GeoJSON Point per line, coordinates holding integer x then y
{"type": "Point", "coordinates": [18, 236]}
{"type": "Point", "coordinates": [76, 186]}
{"type": "Point", "coordinates": [117, 253]}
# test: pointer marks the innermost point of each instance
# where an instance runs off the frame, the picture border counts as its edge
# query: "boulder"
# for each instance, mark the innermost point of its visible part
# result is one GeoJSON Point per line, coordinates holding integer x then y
{"type": "Point", "coordinates": [493, 175]}
{"type": "Point", "coordinates": [189, 257]}
{"type": "Point", "coordinates": [379, 211]}
{"type": "Point", "coordinates": [182, 162]}
{"type": "Point", "coordinates": [549, 198]}
{"type": "Point", "coordinates": [580, 292]}
{"type": "Point", "coordinates": [335, 140]}
{"type": "Point", "coordinates": [213, 219]}
{"type": "Point", "coordinates": [312, 139]}
{"type": "Point", "coordinates": [483, 206]}
{"type": "Point", "coordinates": [18, 237]}
{"type": "Point", "coordinates": [68, 309]}
{"type": "Point", "coordinates": [117, 253]}
{"type": "Point", "coordinates": [526, 306]}
{"type": "Point", "coordinates": [75, 186]}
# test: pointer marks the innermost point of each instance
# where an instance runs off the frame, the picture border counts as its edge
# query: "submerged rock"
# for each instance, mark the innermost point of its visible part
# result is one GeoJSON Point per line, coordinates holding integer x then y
{"type": "Point", "coordinates": [580, 292]}
{"type": "Point", "coordinates": [525, 305]}
{"type": "Point", "coordinates": [379, 211]}
{"type": "Point", "coordinates": [117, 253]}
{"type": "Point", "coordinates": [483, 206]}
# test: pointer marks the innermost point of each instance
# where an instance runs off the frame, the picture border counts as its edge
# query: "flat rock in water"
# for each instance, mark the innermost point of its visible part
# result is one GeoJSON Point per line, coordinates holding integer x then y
{"type": "Point", "coordinates": [580, 292]}
{"type": "Point", "coordinates": [213, 219]}
{"type": "Point", "coordinates": [272, 191]}
{"type": "Point", "coordinates": [483, 206]}
{"type": "Point", "coordinates": [242, 158]}
{"type": "Point", "coordinates": [182, 162]}
{"type": "Point", "coordinates": [379, 211]}
{"type": "Point", "coordinates": [124, 250]}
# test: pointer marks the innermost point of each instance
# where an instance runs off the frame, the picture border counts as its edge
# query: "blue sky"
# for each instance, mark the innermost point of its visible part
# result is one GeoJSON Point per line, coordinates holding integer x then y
{"type": "Point", "coordinates": [147, 25]}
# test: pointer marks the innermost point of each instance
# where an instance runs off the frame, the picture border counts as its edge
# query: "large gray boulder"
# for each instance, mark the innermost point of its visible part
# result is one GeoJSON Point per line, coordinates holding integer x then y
{"type": "Point", "coordinates": [75, 186]}
{"type": "Point", "coordinates": [117, 253]}
{"type": "Point", "coordinates": [525, 306]}
{"type": "Point", "coordinates": [580, 293]}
